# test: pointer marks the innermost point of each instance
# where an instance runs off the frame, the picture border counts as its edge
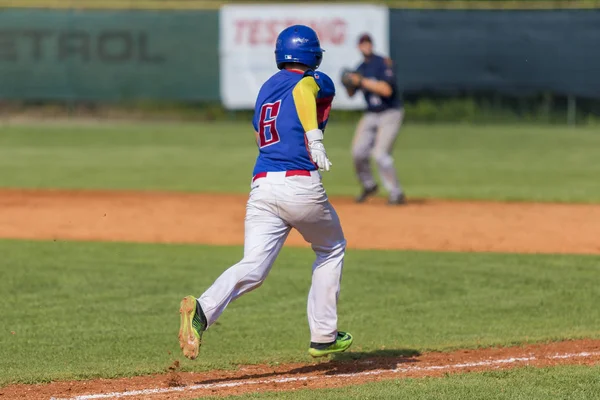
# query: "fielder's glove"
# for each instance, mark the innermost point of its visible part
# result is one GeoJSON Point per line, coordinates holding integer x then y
{"type": "Point", "coordinates": [347, 79]}
{"type": "Point", "coordinates": [317, 149]}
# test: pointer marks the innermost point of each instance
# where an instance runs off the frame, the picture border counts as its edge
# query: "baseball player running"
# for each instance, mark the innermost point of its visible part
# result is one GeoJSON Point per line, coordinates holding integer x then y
{"type": "Point", "coordinates": [290, 115]}
{"type": "Point", "coordinates": [378, 128]}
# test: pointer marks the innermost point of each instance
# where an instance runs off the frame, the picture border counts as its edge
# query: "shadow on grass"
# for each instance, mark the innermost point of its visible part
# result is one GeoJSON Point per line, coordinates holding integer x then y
{"type": "Point", "coordinates": [339, 364]}
{"type": "Point", "coordinates": [388, 353]}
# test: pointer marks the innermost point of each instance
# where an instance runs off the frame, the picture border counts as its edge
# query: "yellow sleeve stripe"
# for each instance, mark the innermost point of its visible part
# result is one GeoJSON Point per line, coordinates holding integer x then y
{"type": "Point", "coordinates": [305, 99]}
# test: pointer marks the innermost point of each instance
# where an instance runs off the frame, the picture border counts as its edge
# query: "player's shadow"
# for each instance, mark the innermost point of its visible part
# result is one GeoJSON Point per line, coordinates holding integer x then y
{"type": "Point", "coordinates": [339, 364]}
{"type": "Point", "coordinates": [393, 354]}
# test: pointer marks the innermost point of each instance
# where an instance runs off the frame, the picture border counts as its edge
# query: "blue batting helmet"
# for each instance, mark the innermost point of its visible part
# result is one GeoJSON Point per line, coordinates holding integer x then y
{"type": "Point", "coordinates": [298, 44]}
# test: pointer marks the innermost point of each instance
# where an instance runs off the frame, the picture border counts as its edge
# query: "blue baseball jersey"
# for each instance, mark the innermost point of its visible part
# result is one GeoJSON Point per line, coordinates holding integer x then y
{"type": "Point", "coordinates": [380, 68]}
{"type": "Point", "coordinates": [281, 118]}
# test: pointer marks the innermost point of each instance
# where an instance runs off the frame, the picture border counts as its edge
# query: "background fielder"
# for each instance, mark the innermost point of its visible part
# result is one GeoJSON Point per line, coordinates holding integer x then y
{"type": "Point", "coordinates": [292, 110]}
{"type": "Point", "coordinates": [378, 128]}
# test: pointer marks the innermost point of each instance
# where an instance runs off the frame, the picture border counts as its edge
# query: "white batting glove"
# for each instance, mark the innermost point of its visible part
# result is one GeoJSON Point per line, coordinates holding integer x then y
{"type": "Point", "coordinates": [317, 150]}
{"type": "Point", "coordinates": [318, 154]}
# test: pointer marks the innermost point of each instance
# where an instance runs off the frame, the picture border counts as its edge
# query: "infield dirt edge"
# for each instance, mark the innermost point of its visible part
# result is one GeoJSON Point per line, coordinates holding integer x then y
{"type": "Point", "coordinates": [218, 219]}
{"type": "Point", "coordinates": [325, 374]}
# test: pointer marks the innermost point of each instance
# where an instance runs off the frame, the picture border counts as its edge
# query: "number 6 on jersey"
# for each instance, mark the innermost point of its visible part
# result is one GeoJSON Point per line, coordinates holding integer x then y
{"type": "Point", "coordinates": [267, 130]}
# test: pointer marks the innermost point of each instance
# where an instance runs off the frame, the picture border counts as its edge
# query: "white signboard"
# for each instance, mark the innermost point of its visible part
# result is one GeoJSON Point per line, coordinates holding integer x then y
{"type": "Point", "coordinates": [247, 44]}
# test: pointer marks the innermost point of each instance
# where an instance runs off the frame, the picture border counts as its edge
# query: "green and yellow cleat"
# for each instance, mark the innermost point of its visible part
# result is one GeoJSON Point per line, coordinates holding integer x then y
{"type": "Point", "coordinates": [192, 326]}
{"type": "Point", "coordinates": [342, 343]}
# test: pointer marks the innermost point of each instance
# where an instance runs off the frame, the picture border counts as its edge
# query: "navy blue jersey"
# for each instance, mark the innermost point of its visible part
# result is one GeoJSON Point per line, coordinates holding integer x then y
{"type": "Point", "coordinates": [381, 69]}
{"type": "Point", "coordinates": [278, 119]}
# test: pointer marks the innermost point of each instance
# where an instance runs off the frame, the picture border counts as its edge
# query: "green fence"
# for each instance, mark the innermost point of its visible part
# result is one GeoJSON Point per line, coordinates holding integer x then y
{"type": "Point", "coordinates": [215, 4]}
{"type": "Point", "coordinates": [109, 55]}
{"type": "Point", "coordinates": [516, 53]}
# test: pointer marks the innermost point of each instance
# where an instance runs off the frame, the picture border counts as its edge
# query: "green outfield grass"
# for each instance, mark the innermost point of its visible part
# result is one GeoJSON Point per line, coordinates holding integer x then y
{"type": "Point", "coordinates": [81, 310]}
{"type": "Point", "coordinates": [442, 161]}
{"type": "Point", "coordinates": [566, 382]}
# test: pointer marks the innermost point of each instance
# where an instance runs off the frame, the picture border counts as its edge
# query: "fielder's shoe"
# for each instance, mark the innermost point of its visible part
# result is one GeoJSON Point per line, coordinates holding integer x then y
{"type": "Point", "coordinates": [397, 200]}
{"type": "Point", "coordinates": [344, 340]}
{"type": "Point", "coordinates": [192, 326]}
{"type": "Point", "coordinates": [366, 193]}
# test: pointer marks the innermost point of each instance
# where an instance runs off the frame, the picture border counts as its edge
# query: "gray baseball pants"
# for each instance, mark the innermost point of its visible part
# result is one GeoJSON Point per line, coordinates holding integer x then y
{"type": "Point", "coordinates": [375, 136]}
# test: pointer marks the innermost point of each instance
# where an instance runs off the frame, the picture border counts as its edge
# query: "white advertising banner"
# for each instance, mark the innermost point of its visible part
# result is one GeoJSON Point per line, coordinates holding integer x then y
{"type": "Point", "coordinates": [247, 44]}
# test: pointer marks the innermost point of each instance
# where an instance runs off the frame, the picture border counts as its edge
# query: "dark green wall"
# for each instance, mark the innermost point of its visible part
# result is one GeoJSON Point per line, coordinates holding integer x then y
{"type": "Point", "coordinates": [511, 52]}
{"type": "Point", "coordinates": [109, 55]}
{"type": "Point", "coordinates": [173, 55]}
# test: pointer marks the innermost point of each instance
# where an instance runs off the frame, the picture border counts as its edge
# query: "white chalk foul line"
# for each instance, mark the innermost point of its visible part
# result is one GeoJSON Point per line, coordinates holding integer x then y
{"type": "Point", "coordinates": [116, 395]}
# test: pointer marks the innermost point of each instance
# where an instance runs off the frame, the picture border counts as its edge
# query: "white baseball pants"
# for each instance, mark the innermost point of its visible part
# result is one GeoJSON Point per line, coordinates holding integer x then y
{"type": "Point", "coordinates": [276, 205]}
{"type": "Point", "coordinates": [375, 136]}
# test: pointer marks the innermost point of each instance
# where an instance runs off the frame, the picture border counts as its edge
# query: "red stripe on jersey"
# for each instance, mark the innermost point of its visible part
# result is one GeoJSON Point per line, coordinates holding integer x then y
{"type": "Point", "coordinates": [323, 109]}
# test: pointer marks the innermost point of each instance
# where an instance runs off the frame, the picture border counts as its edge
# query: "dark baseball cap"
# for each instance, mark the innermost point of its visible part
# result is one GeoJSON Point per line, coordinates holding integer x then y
{"type": "Point", "coordinates": [365, 37]}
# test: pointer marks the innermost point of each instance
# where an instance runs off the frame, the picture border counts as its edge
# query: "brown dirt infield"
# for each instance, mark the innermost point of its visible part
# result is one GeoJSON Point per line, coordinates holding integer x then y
{"type": "Point", "coordinates": [218, 219]}
{"type": "Point", "coordinates": [330, 374]}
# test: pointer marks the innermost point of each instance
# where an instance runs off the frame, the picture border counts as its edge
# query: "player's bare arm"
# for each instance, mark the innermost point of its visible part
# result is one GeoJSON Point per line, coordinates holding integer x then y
{"type": "Point", "coordinates": [380, 88]}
